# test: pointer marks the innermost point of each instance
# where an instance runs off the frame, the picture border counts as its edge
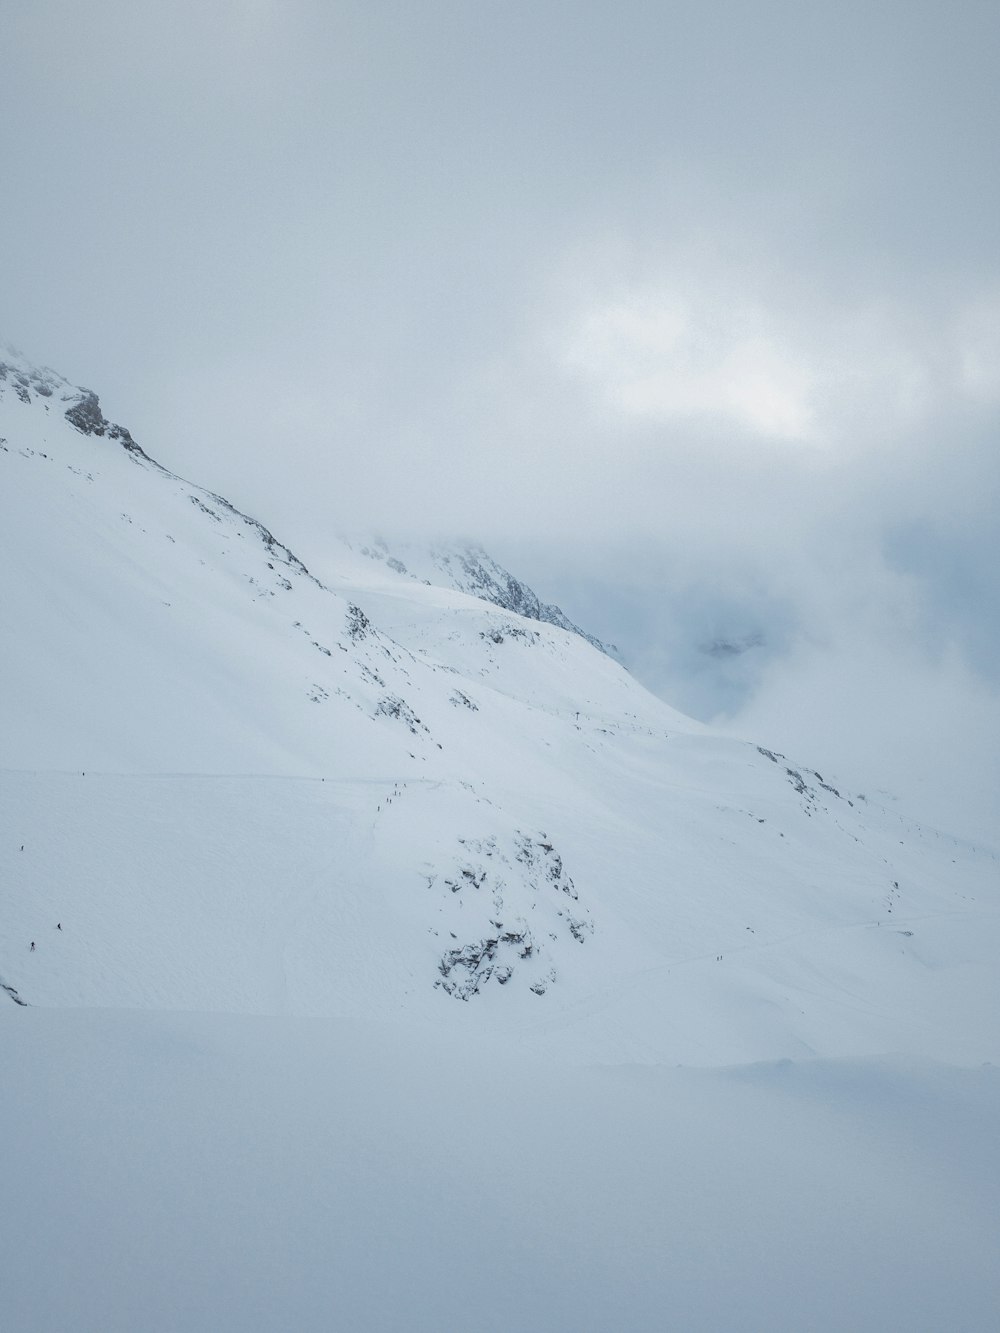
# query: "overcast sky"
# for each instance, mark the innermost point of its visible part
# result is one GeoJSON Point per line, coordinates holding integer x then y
{"type": "Point", "coordinates": [691, 312]}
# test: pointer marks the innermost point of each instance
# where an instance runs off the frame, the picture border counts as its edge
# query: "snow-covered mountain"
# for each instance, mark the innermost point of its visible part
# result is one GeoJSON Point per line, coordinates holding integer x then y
{"type": "Point", "coordinates": [406, 798]}
{"type": "Point", "coordinates": [427, 797]}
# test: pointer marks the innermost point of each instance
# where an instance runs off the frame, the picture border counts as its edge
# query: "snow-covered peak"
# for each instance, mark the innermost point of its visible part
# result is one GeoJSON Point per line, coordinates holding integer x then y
{"type": "Point", "coordinates": [28, 381]}
{"type": "Point", "coordinates": [81, 407]}
{"type": "Point", "coordinates": [467, 567]}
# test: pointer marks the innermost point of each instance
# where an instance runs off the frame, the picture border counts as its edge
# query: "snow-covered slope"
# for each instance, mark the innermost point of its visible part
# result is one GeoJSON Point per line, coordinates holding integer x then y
{"type": "Point", "coordinates": [401, 881]}
{"type": "Point", "coordinates": [240, 788]}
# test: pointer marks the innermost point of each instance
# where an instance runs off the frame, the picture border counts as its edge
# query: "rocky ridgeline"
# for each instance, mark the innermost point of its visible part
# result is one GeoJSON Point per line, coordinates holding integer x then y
{"type": "Point", "coordinates": [84, 410]}
{"type": "Point", "coordinates": [468, 568]}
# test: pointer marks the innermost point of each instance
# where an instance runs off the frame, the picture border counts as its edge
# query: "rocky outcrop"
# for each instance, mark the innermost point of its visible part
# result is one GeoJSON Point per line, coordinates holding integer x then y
{"type": "Point", "coordinates": [468, 568]}
{"type": "Point", "coordinates": [509, 901]}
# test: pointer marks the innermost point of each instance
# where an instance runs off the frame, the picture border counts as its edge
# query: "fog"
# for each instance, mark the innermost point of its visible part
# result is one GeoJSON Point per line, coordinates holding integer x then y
{"type": "Point", "coordinates": [690, 313]}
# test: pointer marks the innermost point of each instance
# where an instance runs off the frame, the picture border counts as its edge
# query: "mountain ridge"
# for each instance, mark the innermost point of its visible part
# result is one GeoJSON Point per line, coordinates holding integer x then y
{"type": "Point", "coordinates": [467, 567]}
{"type": "Point", "coordinates": [241, 788]}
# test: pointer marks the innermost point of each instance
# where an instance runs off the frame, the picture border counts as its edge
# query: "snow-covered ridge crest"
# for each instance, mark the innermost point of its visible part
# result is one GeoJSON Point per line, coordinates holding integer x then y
{"type": "Point", "coordinates": [29, 382]}
{"type": "Point", "coordinates": [462, 565]}
{"type": "Point", "coordinates": [467, 567]}
{"type": "Point", "coordinates": [84, 414]}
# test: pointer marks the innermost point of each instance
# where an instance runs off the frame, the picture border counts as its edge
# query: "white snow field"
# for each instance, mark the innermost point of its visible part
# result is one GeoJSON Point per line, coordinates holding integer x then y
{"type": "Point", "coordinates": [401, 963]}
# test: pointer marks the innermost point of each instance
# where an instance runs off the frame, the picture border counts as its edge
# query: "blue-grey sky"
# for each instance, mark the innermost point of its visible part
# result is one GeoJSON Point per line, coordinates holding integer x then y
{"type": "Point", "coordinates": [690, 311]}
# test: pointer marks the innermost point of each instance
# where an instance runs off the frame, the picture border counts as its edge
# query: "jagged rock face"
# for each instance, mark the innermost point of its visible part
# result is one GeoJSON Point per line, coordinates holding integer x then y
{"type": "Point", "coordinates": [86, 416]}
{"type": "Point", "coordinates": [468, 568]}
{"type": "Point", "coordinates": [473, 571]}
{"type": "Point", "coordinates": [84, 412]}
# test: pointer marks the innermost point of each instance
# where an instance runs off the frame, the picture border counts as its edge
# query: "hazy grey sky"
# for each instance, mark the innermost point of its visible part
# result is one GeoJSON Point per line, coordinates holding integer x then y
{"type": "Point", "coordinates": [690, 311]}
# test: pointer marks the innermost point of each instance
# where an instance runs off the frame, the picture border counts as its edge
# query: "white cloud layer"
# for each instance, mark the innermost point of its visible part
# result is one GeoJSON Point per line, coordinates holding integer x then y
{"type": "Point", "coordinates": [692, 311]}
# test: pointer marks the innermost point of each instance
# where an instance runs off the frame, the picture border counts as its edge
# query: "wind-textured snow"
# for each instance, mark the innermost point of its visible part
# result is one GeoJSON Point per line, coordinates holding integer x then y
{"type": "Point", "coordinates": [418, 903]}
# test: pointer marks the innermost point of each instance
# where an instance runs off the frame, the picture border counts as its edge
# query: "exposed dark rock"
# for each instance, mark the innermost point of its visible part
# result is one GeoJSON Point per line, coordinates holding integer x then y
{"type": "Point", "coordinates": [13, 994]}
{"type": "Point", "coordinates": [468, 568]}
{"type": "Point", "coordinates": [477, 573]}
{"type": "Point", "coordinates": [393, 706]}
{"type": "Point", "coordinates": [358, 624]}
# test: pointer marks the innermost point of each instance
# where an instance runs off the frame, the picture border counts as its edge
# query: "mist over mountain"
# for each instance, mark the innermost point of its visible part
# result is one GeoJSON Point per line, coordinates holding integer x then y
{"type": "Point", "coordinates": [399, 846]}
{"type": "Point", "coordinates": [500, 676]}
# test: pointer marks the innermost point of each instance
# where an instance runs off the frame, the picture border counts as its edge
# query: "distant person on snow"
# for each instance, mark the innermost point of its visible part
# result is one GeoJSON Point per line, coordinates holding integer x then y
{"type": "Point", "coordinates": [32, 949]}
